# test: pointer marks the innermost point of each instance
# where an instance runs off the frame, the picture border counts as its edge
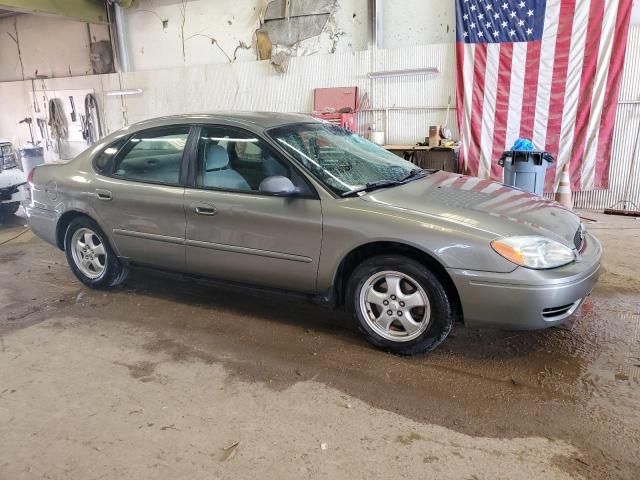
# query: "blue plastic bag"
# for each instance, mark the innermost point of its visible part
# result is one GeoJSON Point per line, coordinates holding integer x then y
{"type": "Point", "coordinates": [523, 145]}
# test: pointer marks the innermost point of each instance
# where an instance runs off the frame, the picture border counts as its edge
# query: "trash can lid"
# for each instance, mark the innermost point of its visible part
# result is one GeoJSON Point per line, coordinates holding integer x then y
{"type": "Point", "coordinates": [534, 156]}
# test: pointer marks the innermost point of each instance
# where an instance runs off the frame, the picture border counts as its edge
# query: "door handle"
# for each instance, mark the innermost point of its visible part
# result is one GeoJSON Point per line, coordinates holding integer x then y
{"type": "Point", "coordinates": [103, 194]}
{"type": "Point", "coordinates": [209, 211]}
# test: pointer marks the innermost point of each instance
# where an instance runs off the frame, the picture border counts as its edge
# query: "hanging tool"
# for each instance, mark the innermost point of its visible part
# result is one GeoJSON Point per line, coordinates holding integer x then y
{"type": "Point", "coordinates": [29, 121]}
{"type": "Point", "coordinates": [445, 131]}
{"type": "Point", "coordinates": [44, 133]}
{"type": "Point", "coordinates": [73, 109]}
{"type": "Point", "coordinates": [91, 122]}
{"type": "Point", "coordinates": [84, 128]}
{"type": "Point", "coordinates": [57, 121]}
{"type": "Point", "coordinates": [36, 107]}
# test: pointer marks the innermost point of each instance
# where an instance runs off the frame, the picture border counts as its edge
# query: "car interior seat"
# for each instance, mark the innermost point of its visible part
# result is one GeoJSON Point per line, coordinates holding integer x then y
{"type": "Point", "coordinates": [217, 172]}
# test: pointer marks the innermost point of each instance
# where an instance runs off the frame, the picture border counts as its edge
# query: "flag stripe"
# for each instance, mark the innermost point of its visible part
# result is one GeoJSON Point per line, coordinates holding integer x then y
{"type": "Point", "coordinates": [488, 109]}
{"type": "Point", "coordinates": [572, 90]}
{"type": "Point", "coordinates": [591, 49]}
{"type": "Point", "coordinates": [517, 92]}
{"type": "Point", "coordinates": [558, 84]}
{"type": "Point", "coordinates": [477, 102]}
{"type": "Point", "coordinates": [545, 75]}
{"type": "Point", "coordinates": [613, 89]}
{"type": "Point", "coordinates": [502, 108]}
{"type": "Point", "coordinates": [461, 49]}
{"type": "Point", "coordinates": [532, 69]}
{"type": "Point", "coordinates": [466, 86]}
{"type": "Point", "coordinates": [589, 158]}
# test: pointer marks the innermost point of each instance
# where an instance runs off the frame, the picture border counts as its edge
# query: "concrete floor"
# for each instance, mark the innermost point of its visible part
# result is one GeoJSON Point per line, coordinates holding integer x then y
{"type": "Point", "coordinates": [156, 379]}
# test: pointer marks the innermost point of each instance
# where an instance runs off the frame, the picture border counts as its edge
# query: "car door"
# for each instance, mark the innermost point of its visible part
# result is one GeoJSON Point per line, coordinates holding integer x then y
{"type": "Point", "coordinates": [139, 196]}
{"type": "Point", "coordinates": [238, 233]}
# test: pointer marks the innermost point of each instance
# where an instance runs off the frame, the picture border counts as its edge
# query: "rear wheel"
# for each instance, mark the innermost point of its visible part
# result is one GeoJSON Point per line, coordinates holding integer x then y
{"type": "Point", "coordinates": [400, 305]}
{"type": "Point", "coordinates": [90, 256]}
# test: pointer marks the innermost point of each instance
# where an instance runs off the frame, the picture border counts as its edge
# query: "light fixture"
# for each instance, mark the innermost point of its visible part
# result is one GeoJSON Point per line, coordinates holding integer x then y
{"type": "Point", "coordinates": [115, 93]}
{"type": "Point", "coordinates": [404, 73]}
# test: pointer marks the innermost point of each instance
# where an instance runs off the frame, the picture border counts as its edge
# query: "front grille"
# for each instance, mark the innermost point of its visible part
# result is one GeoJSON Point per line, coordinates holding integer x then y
{"type": "Point", "coordinates": [578, 238]}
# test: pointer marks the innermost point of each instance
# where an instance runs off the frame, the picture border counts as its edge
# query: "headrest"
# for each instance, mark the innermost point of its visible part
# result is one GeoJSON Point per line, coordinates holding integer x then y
{"type": "Point", "coordinates": [216, 157]}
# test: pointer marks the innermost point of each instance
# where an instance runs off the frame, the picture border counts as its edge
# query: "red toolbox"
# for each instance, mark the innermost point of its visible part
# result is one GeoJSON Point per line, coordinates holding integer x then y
{"type": "Point", "coordinates": [328, 103]}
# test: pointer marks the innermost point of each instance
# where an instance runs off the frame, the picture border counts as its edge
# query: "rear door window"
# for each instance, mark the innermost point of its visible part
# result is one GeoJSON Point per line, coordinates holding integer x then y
{"type": "Point", "coordinates": [153, 156]}
{"type": "Point", "coordinates": [102, 161]}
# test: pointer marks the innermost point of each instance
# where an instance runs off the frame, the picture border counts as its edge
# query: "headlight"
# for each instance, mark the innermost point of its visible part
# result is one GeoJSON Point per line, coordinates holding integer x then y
{"type": "Point", "coordinates": [533, 252]}
{"type": "Point", "coordinates": [6, 149]}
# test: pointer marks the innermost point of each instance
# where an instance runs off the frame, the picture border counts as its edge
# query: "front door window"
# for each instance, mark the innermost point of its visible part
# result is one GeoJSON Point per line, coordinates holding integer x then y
{"type": "Point", "coordinates": [236, 160]}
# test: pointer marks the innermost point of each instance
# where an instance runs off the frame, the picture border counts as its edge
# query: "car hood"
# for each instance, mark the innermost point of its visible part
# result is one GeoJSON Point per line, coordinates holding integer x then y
{"type": "Point", "coordinates": [485, 205]}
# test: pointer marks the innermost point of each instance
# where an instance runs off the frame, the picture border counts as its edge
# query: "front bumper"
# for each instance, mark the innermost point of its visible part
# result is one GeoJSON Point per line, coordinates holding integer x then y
{"type": "Point", "coordinates": [528, 299]}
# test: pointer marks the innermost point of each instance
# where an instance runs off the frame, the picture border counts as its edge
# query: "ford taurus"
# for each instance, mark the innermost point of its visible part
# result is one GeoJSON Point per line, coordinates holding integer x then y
{"type": "Point", "coordinates": [288, 203]}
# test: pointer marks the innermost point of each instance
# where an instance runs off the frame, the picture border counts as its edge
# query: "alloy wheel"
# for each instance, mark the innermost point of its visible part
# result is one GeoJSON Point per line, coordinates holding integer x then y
{"type": "Point", "coordinates": [88, 253]}
{"type": "Point", "coordinates": [395, 306]}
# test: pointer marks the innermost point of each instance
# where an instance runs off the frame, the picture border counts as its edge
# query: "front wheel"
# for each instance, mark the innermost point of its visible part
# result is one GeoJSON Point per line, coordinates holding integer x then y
{"type": "Point", "coordinates": [90, 256]}
{"type": "Point", "coordinates": [400, 305]}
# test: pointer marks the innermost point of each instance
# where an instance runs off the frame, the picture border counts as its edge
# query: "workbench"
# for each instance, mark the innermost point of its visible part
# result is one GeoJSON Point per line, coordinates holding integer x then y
{"type": "Point", "coordinates": [438, 158]}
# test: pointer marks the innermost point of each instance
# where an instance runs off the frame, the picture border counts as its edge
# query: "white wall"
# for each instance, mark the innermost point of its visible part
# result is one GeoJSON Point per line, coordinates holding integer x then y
{"type": "Point", "coordinates": [52, 46]}
{"type": "Point", "coordinates": [635, 13]}
{"type": "Point", "coordinates": [255, 86]}
{"type": "Point", "coordinates": [417, 22]}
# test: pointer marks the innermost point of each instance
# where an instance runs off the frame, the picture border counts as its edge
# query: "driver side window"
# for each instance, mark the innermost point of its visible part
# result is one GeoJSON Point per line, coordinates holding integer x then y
{"type": "Point", "coordinates": [233, 159]}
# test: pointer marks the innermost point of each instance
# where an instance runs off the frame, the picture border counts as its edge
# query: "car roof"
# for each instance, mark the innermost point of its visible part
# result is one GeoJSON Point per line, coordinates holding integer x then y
{"type": "Point", "coordinates": [254, 119]}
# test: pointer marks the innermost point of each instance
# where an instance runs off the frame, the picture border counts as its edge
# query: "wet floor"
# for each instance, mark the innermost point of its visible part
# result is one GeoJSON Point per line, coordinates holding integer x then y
{"type": "Point", "coordinates": [578, 384]}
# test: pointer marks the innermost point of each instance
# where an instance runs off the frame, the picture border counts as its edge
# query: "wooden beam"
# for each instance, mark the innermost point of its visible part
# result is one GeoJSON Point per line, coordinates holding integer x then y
{"type": "Point", "coordinates": [92, 11]}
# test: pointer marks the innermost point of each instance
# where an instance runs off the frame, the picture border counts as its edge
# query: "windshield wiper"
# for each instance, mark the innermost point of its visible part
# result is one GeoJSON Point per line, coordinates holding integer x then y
{"type": "Point", "coordinates": [372, 186]}
{"type": "Point", "coordinates": [414, 174]}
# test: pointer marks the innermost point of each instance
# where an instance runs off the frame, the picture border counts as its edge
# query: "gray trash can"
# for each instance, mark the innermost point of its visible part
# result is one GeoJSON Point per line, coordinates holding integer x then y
{"type": "Point", "coordinates": [525, 170]}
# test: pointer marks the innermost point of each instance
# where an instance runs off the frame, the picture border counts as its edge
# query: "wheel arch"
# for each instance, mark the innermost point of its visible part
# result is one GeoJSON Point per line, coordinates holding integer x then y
{"type": "Point", "coordinates": [368, 250]}
{"type": "Point", "coordinates": [63, 222]}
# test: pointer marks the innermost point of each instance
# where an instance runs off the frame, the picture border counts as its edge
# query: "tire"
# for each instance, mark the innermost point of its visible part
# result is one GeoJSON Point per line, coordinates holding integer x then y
{"type": "Point", "coordinates": [400, 305]}
{"type": "Point", "coordinates": [94, 266]}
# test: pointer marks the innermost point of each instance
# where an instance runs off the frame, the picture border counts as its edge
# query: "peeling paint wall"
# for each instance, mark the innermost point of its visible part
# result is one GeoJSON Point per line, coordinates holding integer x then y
{"type": "Point", "coordinates": [173, 33]}
{"type": "Point", "coordinates": [52, 46]}
{"type": "Point", "coordinates": [176, 33]}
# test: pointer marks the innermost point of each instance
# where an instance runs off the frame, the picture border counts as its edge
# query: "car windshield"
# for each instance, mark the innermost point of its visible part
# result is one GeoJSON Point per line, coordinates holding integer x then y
{"type": "Point", "coordinates": [343, 161]}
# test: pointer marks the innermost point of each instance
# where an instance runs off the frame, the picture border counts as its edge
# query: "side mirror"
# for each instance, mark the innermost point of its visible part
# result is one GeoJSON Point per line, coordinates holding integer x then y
{"type": "Point", "coordinates": [278, 185]}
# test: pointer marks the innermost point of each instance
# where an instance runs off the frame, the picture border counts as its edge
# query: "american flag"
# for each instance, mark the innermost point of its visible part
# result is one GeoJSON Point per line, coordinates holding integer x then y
{"type": "Point", "coordinates": [547, 70]}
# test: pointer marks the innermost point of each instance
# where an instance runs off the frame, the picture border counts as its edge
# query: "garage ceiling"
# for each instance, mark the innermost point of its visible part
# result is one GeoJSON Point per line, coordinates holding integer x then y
{"type": "Point", "coordinates": [92, 11]}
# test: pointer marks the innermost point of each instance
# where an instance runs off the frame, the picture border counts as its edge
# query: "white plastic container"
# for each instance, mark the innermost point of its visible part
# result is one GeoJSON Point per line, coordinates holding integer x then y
{"type": "Point", "coordinates": [31, 156]}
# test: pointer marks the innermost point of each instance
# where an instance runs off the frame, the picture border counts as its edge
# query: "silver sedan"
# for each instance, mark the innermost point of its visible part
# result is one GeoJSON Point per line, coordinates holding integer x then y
{"type": "Point", "coordinates": [288, 203]}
